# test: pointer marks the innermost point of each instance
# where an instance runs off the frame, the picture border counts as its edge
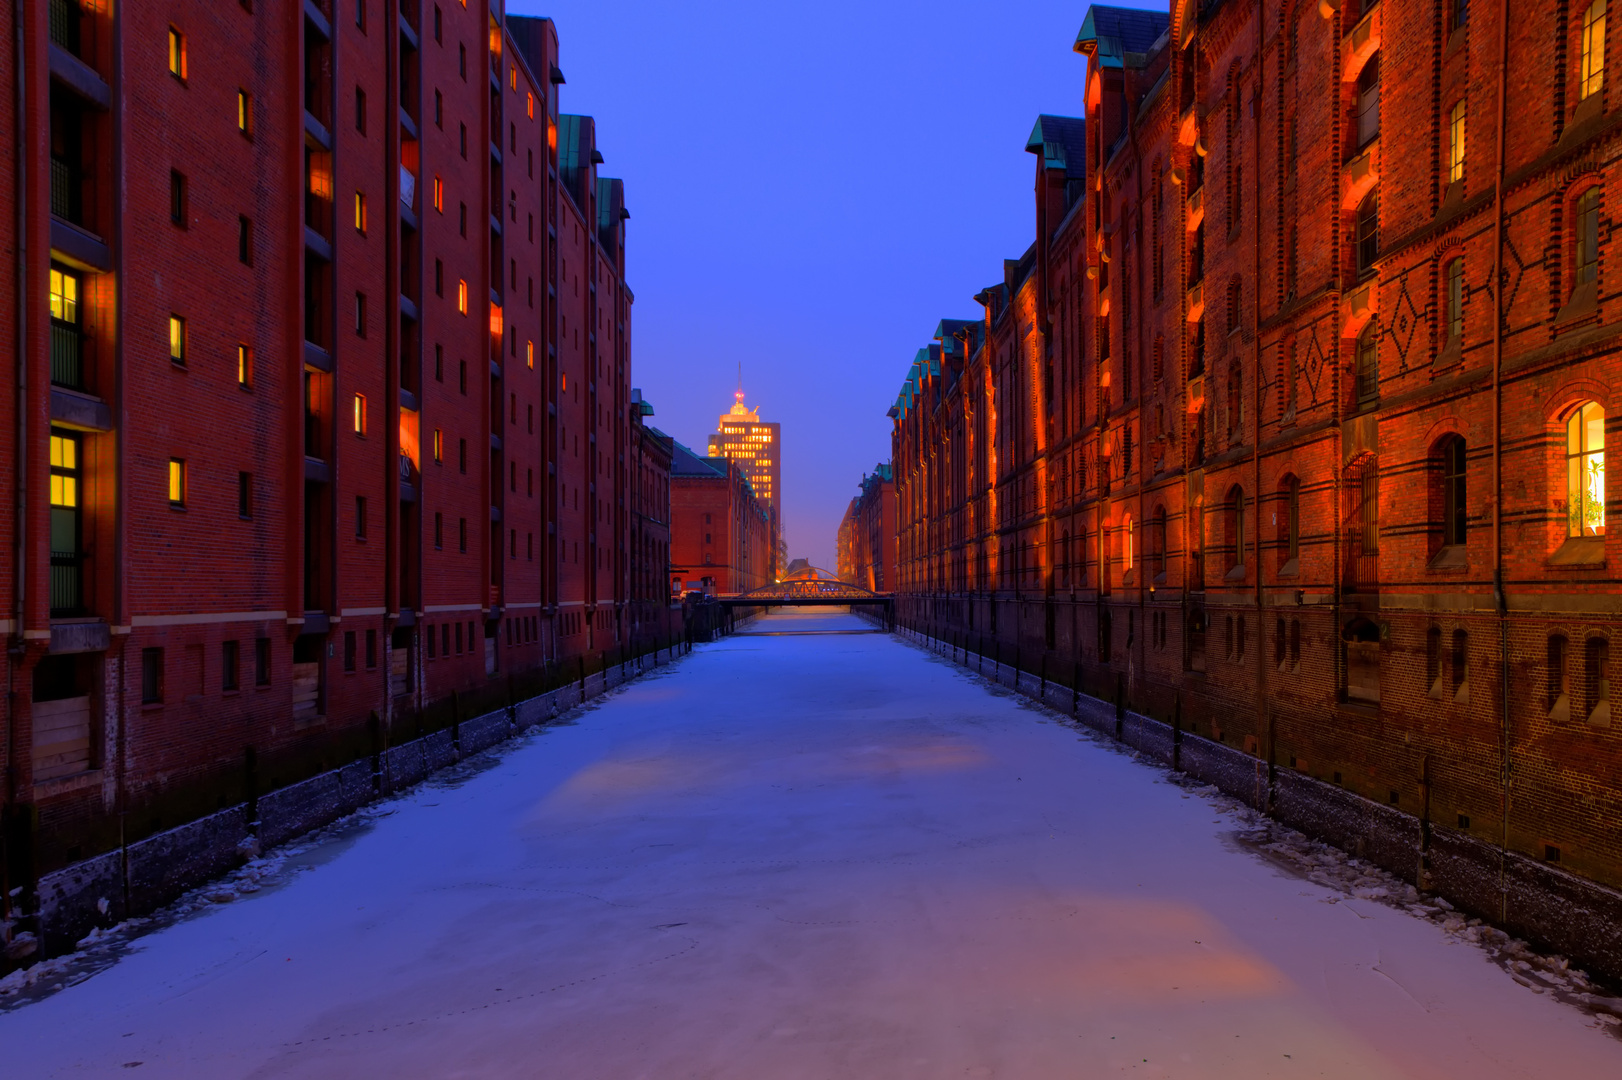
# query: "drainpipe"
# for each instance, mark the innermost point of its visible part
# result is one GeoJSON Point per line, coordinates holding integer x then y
{"type": "Point", "coordinates": [16, 646]}
{"type": "Point", "coordinates": [1500, 601]}
{"type": "Point", "coordinates": [1263, 715]}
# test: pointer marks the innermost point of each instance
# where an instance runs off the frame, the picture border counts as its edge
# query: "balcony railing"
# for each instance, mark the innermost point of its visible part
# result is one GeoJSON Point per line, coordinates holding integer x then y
{"type": "Point", "coordinates": [65, 199]}
{"type": "Point", "coordinates": [1362, 560]}
{"type": "Point", "coordinates": [67, 584]}
{"type": "Point", "coordinates": [64, 23]}
{"type": "Point", "coordinates": [67, 356]}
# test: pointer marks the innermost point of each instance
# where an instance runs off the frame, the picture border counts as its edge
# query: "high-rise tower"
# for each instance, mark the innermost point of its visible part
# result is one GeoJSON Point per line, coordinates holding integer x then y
{"type": "Point", "coordinates": [756, 446]}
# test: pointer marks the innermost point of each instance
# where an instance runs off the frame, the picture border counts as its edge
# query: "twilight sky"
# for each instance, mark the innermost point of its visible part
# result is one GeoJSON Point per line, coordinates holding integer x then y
{"type": "Point", "coordinates": [811, 190]}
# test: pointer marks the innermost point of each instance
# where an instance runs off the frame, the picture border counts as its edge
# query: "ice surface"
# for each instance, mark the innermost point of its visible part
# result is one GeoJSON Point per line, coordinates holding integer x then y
{"type": "Point", "coordinates": [809, 857]}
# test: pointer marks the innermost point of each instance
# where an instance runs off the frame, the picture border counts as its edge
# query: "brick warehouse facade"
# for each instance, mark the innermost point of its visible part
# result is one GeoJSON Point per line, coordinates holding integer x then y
{"type": "Point", "coordinates": [723, 538]}
{"type": "Point", "coordinates": [321, 425]}
{"type": "Point", "coordinates": [867, 534]}
{"type": "Point", "coordinates": [1289, 431]}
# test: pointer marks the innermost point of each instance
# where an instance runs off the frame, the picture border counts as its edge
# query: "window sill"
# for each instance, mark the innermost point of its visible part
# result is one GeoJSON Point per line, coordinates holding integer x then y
{"type": "Point", "coordinates": [1583, 552]}
{"type": "Point", "coordinates": [1450, 557]}
{"type": "Point", "coordinates": [1290, 569]}
{"type": "Point", "coordinates": [1452, 198]}
{"type": "Point", "coordinates": [1601, 716]}
{"type": "Point", "coordinates": [1584, 303]}
{"type": "Point", "coordinates": [1237, 573]}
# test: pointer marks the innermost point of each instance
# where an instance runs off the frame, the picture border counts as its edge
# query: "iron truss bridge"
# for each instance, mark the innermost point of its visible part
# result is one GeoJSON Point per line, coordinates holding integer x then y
{"type": "Point", "coordinates": [813, 593]}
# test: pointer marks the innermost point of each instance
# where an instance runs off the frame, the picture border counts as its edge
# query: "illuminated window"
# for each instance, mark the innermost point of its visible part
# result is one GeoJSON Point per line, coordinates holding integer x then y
{"type": "Point", "coordinates": [360, 414]}
{"type": "Point", "coordinates": [439, 447]}
{"type": "Point", "coordinates": [360, 213]}
{"type": "Point", "coordinates": [64, 296]}
{"type": "Point", "coordinates": [244, 366]}
{"type": "Point", "coordinates": [177, 52]}
{"type": "Point", "coordinates": [1591, 64]}
{"type": "Point", "coordinates": [529, 348]}
{"type": "Point", "coordinates": [531, 98]}
{"type": "Point", "coordinates": [177, 483]}
{"type": "Point", "coordinates": [244, 112]}
{"type": "Point", "coordinates": [64, 475]}
{"type": "Point", "coordinates": [1585, 471]}
{"type": "Point", "coordinates": [461, 297]}
{"type": "Point", "coordinates": [177, 339]}
{"type": "Point", "coordinates": [1455, 135]}
{"type": "Point", "coordinates": [439, 195]}
{"type": "Point", "coordinates": [514, 76]}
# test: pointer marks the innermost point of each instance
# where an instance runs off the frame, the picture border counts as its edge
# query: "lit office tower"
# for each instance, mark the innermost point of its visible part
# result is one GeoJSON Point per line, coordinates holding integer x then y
{"type": "Point", "coordinates": [755, 446]}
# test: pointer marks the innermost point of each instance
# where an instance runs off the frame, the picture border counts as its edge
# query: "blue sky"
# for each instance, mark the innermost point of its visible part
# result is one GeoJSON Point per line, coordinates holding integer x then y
{"type": "Point", "coordinates": [811, 190]}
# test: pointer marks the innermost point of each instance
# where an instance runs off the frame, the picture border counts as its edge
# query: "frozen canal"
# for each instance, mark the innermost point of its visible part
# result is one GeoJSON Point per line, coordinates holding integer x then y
{"type": "Point", "coordinates": [820, 857]}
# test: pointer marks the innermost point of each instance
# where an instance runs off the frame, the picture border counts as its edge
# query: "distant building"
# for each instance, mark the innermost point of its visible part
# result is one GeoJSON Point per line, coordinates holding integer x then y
{"type": "Point", "coordinates": [722, 537]}
{"type": "Point", "coordinates": [756, 446]}
{"type": "Point", "coordinates": [648, 488]}
{"type": "Point", "coordinates": [867, 549]}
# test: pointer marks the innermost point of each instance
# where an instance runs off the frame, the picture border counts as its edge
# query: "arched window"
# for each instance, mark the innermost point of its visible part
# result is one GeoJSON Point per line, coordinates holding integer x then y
{"type": "Point", "coordinates": [1159, 358]}
{"type": "Point", "coordinates": [1236, 404]}
{"type": "Point", "coordinates": [1585, 263]}
{"type": "Point", "coordinates": [1160, 542]}
{"type": "Point", "coordinates": [1596, 669]}
{"type": "Point", "coordinates": [1289, 520]}
{"type": "Point", "coordinates": [1368, 100]}
{"type": "Point", "coordinates": [1455, 142]}
{"type": "Point", "coordinates": [1362, 643]}
{"type": "Point", "coordinates": [1557, 687]}
{"type": "Point", "coordinates": [1450, 488]}
{"type": "Point", "coordinates": [1455, 301]}
{"type": "Point", "coordinates": [1368, 231]}
{"type": "Point", "coordinates": [1585, 471]}
{"type": "Point", "coordinates": [1363, 524]}
{"type": "Point", "coordinates": [1236, 520]}
{"type": "Point", "coordinates": [1591, 61]}
{"type": "Point", "coordinates": [1368, 365]}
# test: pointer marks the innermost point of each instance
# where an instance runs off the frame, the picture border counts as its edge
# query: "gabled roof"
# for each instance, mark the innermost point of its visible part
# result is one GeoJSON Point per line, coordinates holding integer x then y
{"type": "Point", "coordinates": [1062, 142]}
{"type": "Point", "coordinates": [1109, 34]}
{"type": "Point", "coordinates": [683, 462]}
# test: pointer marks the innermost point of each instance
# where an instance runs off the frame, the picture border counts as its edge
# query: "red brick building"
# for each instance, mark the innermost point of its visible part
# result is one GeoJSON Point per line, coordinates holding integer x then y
{"type": "Point", "coordinates": [321, 411]}
{"type": "Point", "coordinates": [721, 535]}
{"type": "Point", "coordinates": [1289, 429]}
{"type": "Point", "coordinates": [867, 534]}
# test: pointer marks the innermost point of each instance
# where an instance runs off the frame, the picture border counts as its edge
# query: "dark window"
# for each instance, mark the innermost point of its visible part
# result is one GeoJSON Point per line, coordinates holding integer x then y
{"type": "Point", "coordinates": [433, 643]}
{"type": "Point", "coordinates": [151, 676]}
{"type": "Point", "coordinates": [462, 377]}
{"type": "Point", "coordinates": [461, 455]}
{"type": "Point", "coordinates": [1452, 478]}
{"type": "Point", "coordinates": [1458, 13]}
{"type": "Point", "coordinates": [462, 62]}
{"type": "Point", "coordinates": [349, 650]}
{"type": "Point", "coordinates": [360, 517]}
{"type": "Point", "coordinates": [1292, 518]}
{"type": "Point", "coordinates": [1455, 300]}
{"type": "Point", "coordinates": [439, 530]}
{"type": "Point", "coordinates": [439, 363]}
{"type": "Point", "coordinates": [463, 224]}
{"type": "Point", "coordinates": [244, 495]}
{"type": "Point", "coordinates": [439, 290]}
{"type": "Point", "coordinates": [1587, 236]}
{"type": "Point", "coordinates": [464, 156]}
{"type": "Point", "coordinates": [439, 110]}
{"type": "Point", "coordinates": [1368, 232]}
{"type": "Point", "coordinates": [1368, 366]}
{"type": "Point", "coordinates": [360, 14]}
{"type": "Point", "coordinates": [461, 526]}
{"type": "Point", "coordinates": [1558, 685]}
{"type": "Point", "coordinates": [1597, 671]}
{"type": "Point", "coordinates": [230, 665]}
{"type": "Point", "coordinates": [439, 24]}
{"type": "Point", "coordinates": [360, 110]}
{"type": "Point", "coordinates": [1461, 663]}
{"type": "Point", "coordinates": [261, 662]}
{"type": "Point", "coordinates": [244, 240]}
{"type": "Point", "coordinates": [1368, 101]}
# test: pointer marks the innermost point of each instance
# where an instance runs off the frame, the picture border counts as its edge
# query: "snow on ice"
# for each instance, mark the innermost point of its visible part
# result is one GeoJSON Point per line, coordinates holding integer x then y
{"type": "Point", "coordinates": [808, 857]}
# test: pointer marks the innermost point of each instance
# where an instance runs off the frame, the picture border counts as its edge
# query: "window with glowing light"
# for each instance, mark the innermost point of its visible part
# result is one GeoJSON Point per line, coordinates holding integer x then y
{"type": "Point", "coordinates": [1585, 471]}
{"type": "Point", "coordinates": [1591, 61]}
